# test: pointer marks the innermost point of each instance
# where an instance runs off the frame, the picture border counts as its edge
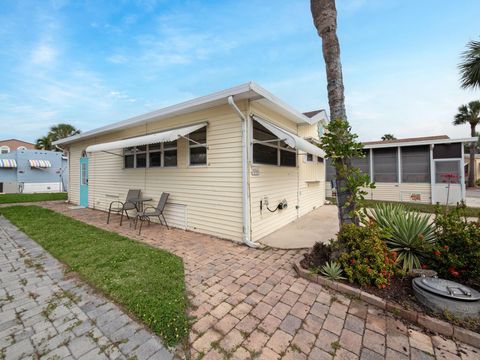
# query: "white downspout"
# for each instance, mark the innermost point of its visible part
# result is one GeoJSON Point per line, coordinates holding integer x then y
{"type": "Point", "coordinates": [245, 195]}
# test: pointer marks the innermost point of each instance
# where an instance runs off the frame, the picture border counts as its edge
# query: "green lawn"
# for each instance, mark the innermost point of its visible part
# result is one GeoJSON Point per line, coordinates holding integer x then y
{"type": "Point", "coordinates": [146, 281]}
{"type": "Point", "coordinates": [19, 198]}
{"type": "Point", "coordinates": [426, 208]}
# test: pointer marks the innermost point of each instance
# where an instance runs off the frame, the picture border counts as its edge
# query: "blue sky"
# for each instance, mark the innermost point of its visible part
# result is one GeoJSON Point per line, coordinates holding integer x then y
{"type": "Point", "coordinates": [90, 63]}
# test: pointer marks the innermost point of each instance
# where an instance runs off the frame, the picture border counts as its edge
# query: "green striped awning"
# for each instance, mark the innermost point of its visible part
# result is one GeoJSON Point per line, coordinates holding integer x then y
{"type": "Point", "coordinates": [8, 163]}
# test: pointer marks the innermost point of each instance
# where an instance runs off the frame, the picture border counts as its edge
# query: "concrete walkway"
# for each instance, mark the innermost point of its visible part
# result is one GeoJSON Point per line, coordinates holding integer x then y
{"type": "Point", "coordinates": [320, 225]}
{"type": "Point", "coordinates": [249, 304]}
{"type": "Point", "coordinates": [46, 315]}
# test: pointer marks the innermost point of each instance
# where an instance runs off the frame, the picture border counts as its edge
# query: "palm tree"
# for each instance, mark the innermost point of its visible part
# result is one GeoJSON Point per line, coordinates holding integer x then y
{"type": "Point", "coordinates": [470, 66]}
{"type": "Point", "coordinates": [388, 137]}
{"type": "Point", "coordinates": [44, 143]}
{"type": "Point", "coordinates": [324, 15]}
{"type": "Point", "coordinates": [62, 131]}
{"type": "Point", "coordinates": [469, 114]}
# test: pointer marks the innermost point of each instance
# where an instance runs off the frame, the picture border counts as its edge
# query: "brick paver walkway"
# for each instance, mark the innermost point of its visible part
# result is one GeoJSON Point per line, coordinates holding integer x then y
{"type": "Point", "coordinates": [46, 315]}
{"type": "Point", "coordinates": [249, 303]}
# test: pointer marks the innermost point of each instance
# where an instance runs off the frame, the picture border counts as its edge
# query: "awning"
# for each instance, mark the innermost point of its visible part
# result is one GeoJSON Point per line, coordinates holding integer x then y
{"type": "Point", "coordinates": [40, 163]}
{"type": "Point", "coordinates": [8, 163]}
{"type": "Point", "coordinates": [164, 136]}
{"type": "Point", "coordinates": [292, 140]}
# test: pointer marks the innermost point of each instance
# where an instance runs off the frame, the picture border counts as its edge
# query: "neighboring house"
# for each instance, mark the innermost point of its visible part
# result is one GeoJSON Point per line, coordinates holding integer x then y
{"type": "Point", "coordinates": [477, 166]}
{"type": "Point", "coordinates": [226, 176]}
{"type": "Point", "coordinates": [9, 145]}
{"type": "Point", "coordinates": [30, 171]}
{"type": "Point", "coordinates": [413, 169]}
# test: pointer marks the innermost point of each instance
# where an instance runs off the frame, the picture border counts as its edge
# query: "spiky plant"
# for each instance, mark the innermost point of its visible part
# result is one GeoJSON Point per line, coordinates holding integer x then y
{"type": "Point", "coordinates": [332, 270]}
{"type": "Point", "coordinates": [410, 234]}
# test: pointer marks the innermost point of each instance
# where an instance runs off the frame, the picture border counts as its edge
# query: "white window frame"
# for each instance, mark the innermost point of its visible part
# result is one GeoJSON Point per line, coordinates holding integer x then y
{"type": "Point", "coordinates": [21, 148]}
{"type": "Point", "coordinates": [191, 144]}
{"type": "Point", "coordinates": [270, 143]}
{"type": "Point", "coordinates": [3, 148]}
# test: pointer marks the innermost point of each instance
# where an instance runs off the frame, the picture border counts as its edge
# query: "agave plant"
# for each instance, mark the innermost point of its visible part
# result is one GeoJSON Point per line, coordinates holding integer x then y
{"type": "Point", "coordinates": [332, 270]}
{"type": "Point", "coordinates": [409, 233]}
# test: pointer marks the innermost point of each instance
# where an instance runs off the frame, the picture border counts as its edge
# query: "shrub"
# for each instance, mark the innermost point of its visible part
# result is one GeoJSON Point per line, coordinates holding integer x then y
{"type": "Point", "coordinates": [332, 270]}
{"type": "Point", "coordinates": [477, 183]}
{"type": "Point", "coordinates": [456, 254]}
{"type": "Point", "coordinates": [365, 258]}
{"type": "Point", "coordinates": [318, 256]}
{"type": "Point", "coordinates": [409, 233]}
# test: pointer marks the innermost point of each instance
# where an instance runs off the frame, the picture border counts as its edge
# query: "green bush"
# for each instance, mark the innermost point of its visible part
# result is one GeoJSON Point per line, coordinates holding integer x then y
{"type": "Point", "coordinates": [456, 254]}
{"type": "Point", "coordinates": [364, 256]}
{"type": "Point", "coordinates": [409, 233]}
{"type": "Point", "coordinates": [477, 182]}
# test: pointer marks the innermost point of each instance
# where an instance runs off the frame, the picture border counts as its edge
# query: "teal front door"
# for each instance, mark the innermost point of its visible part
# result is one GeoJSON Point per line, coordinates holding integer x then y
{"type": "Point", "coordinates": [84, 181]}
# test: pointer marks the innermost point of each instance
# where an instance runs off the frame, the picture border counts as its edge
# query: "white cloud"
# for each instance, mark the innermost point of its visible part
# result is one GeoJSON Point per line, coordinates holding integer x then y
{"type": "Point", "coordinates": [44, 54]}
{"type": "Point", "coordinates": [117, 59]}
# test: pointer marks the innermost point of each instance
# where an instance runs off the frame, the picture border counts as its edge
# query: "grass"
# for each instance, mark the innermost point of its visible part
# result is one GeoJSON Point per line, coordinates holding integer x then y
{"type": "Point", "coordinates": [147, 282]}
{"type": "Point", "coordinates": [19, 198]}
{"type": "Point", "coordinates": [425, 208]}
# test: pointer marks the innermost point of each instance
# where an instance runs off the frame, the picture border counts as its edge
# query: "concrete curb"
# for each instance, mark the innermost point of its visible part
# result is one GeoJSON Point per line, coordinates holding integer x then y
{"type": "Point", "coordinates": [435, 325]}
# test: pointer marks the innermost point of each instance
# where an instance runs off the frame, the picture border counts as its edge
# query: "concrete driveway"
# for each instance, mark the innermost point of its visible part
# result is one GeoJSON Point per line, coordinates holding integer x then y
{"type": "Point", "coordinates": [319, 225]}
{"type": "Point", "coordinates": [473, 197]}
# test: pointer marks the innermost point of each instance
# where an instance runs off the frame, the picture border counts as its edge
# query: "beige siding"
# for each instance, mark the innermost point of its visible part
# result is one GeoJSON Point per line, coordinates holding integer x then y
{"type": "Point", "coordinates": [208, 198]}
{"type": "Point", "coordinates": [302, 186]}
{"type": "Point", "coordinates": [406, 192]}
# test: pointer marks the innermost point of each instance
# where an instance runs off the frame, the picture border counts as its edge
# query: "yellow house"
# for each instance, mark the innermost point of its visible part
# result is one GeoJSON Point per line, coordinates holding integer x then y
{"type": "Point", "coordinates": [238, 164]}
{"type": "Point", "coordinates": [476, 167]}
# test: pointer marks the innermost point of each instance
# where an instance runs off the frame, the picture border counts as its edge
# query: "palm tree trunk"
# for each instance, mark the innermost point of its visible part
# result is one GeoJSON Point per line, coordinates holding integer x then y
{"type": "Point", "coordinates": [471, 165]}
{"type": "Point", "coordinates": [324, 15]}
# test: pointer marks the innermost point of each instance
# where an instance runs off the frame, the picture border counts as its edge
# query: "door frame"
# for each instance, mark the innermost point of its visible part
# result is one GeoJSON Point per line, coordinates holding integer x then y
{"type": "Point", "coordinates": [83, 187]}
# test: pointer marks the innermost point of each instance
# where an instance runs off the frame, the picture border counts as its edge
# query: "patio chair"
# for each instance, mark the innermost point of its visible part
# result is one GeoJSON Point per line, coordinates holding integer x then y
{"type": "Point", "coordinates": [150, 211]}
{"type": "Point", "coordinates": [119, 207]}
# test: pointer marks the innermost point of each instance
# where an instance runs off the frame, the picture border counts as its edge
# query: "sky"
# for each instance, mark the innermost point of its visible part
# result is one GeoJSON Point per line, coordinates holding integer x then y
{"type": "Point", "coordinates": [90, 63]}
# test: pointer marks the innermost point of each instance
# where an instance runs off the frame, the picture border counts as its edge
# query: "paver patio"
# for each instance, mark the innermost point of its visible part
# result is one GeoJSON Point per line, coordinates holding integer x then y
{"type": "Point", "coordinates": [45, 314]}
{"type": "Point", "coordinates": [249, 303]}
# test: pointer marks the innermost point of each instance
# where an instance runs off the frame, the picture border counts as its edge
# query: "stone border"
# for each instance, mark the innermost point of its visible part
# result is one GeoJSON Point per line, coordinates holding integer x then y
{"type": "Point", "coordinates": [436, 325]}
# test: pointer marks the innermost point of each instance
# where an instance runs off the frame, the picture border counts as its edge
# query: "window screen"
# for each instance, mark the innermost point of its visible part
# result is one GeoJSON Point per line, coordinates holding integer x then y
{"type": "Point", "coordinates": [447, 171]}
{"type": "Point", "coordinates": [447, 151]}
{"type": "Point", "coordinates": [415, 164]}
{"type": "Point", "coordinates": [198, 147]}
{"type": "Point", "coordinates": [329, 170]}
{"type": "Point", "coordinates": [385, 165]}
{"type": "Point", "coordinates": [363, 163]}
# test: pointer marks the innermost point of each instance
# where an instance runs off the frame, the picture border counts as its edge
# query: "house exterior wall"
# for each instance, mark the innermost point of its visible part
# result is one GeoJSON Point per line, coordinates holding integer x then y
{"type": "Point", "coordinates": [14, 144]}
{"type": "Point", "coordinates": [27, 179]}
{"type": "Point", "coordinates": [280, 182]}
{"type": "Point", "coordinates": [205, 199]}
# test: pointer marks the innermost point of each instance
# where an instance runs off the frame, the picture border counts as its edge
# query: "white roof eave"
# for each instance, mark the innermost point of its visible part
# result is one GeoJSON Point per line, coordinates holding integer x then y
{"type": "Point", "coordinates": [249, 90]}
{"type": "Point", "coordinates": [423, 142]}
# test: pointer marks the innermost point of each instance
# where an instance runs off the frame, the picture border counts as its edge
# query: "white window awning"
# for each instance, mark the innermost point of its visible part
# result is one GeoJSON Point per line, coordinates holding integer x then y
{"type": "Point", "coordinates": [292, 140]}
{"type": "Point", "coordinates": [164, 136]}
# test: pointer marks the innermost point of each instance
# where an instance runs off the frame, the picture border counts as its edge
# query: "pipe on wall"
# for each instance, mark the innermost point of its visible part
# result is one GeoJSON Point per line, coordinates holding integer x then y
{"type": "Point", "coordinates": [245, 195]}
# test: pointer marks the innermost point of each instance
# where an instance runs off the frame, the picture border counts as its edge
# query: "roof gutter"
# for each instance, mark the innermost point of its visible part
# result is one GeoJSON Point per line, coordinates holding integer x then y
{"type": "Point", "coordinates": [245, 195]}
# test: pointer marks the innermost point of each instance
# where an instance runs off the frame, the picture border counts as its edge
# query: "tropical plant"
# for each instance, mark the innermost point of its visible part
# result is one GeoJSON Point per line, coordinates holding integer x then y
{"type": "Point", "coordinates": [470, 66]}
{"type": "Point", "coordinates": [456, 254]}
{"type": "Point", "coordinates": [388, 137]}
{"type": "Point", "coordinates": [469, 114]}
{"type": "Point", "coordinates": [364, 256]}
{"type": "Point", "coordinates": [56, 132]}
{"type": "Point", "coordinates": [44, 143]}
{"type": "Point", "coordinates": [332, 270]}
{"type": "Point", "coordinates": [408, 233]}
{"type": "Point", "coordinates": [324, 14]}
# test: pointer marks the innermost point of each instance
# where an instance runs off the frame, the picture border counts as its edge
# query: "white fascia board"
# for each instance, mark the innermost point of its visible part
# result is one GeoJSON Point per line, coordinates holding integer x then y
{"type": "Point", "coordinates": [418, 143]}
{"type": "Point", "coordinates": [248, 90]}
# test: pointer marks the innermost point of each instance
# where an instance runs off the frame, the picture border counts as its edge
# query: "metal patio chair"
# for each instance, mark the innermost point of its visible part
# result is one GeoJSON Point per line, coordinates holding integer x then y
{"type": "Point", "coordinates": [156, 211]}
{"type": "Point", "coordinates": [119, 207]}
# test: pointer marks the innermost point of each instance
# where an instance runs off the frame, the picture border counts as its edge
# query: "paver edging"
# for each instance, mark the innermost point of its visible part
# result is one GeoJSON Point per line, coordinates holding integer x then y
{"type": "Point", "coordinates": [433, 324]}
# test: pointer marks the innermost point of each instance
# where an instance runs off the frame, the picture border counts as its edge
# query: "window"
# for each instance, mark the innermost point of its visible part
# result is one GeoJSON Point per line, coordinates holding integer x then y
{"type": "Point", "coordinates": [83, 172]}
{"type": "Point", "coordinates": [447, 151]}
{"type": "Point", "coordinates": [319, 159]}
{"type": "Point", "coordinates": [153, 155]}
{"type": "Point", "coordinates": [21, 148]}
{"type": "Point", "coordinates": [270, 150]}
{"type": "Point", "coordinates": [447, 171]}
{"type": "Point", "coordinates": [4, 149]}
{"type": "Point", "coordinates": [385, 165]}
{"type": "Point", "coordinates": [197, 146]}
{"type": "Point", "coordinates": [309, 158]}
{"type": "Point", "coordinates": [415, 164]}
